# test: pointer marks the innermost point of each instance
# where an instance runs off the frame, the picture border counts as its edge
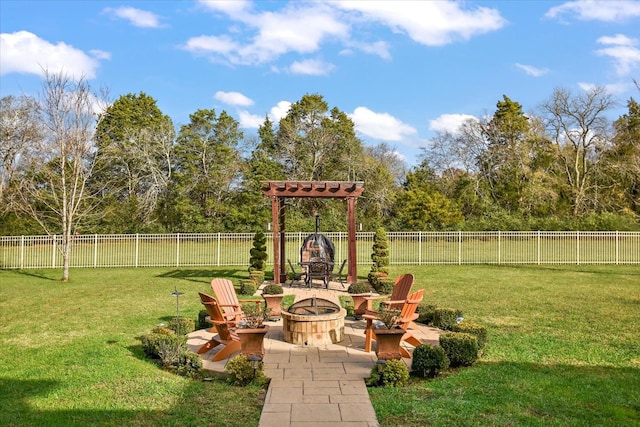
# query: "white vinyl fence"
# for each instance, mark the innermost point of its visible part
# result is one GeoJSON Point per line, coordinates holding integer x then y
{"type": "Point", "coordinates": [232, 249]}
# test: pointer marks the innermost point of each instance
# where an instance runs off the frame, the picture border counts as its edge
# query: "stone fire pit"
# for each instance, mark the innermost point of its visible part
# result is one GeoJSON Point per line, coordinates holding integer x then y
{"type": "Point", "coordinates": [313, 322]}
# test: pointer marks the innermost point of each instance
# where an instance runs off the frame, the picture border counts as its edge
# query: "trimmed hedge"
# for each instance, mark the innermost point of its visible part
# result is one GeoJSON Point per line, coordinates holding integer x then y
{"type": "Point", "coordinates": [445, 318]}
{"type": "Point", "coordinates": [473, 328]}
{"type": "Point", "coordinates": [461, 348]}
{"type": "Point", "coordinates": [428, 360]}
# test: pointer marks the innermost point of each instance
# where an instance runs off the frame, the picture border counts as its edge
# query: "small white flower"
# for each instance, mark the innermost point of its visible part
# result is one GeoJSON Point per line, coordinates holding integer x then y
{"type": "Point", "coordinates": [459, 319]}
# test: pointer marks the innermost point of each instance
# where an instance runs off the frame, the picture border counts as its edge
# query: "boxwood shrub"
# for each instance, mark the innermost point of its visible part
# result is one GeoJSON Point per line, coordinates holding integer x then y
{"type": "Point", "coordinates": [461, 348]}
{"type": "Point", "coordinates": [392, 373]}
{"type": "Point", "coordinates": [429, 360]}
{"type": "Point", "coordinates": [445, 318]}
{"type": "Point", "coordinates": [473, 328]}
{"type": "Point", "coordinates": [426, 313]}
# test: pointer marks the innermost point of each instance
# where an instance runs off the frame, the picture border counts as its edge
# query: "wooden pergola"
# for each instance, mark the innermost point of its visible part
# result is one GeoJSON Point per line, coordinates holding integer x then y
{"type": "Point", "coordinates": [277, 191]}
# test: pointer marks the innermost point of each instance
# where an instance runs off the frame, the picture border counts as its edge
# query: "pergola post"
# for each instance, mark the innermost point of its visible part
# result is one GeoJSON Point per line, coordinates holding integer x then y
{"type": "Point", "coordinates": [352, 269]}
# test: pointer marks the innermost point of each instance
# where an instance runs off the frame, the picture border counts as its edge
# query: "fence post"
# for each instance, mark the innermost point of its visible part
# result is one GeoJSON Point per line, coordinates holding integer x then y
{"type": "Point", "coordinates": [577, 248]}
{"type": "Point", "coordinates": [21, 252]}
{"type": "Point", "coordinates": [419, 247]}
{"type": "Point", "coordinates": [459, 247]}
{"type": "Point", "coordinates": [499, 247]}
{"type": "Point", "coordinates": [137, 250]}
{"type": "Point", "coordinates": [617, 246]}
{"type": "Point", "coordinates": [538, 247]}
{"type": "Point", "coordinates": [218, 251]}
{"type": "Point", "coordinates": [95, 250]}
{"type": "Point", "coordinates": [53, 252]}
{"type": "Point", "coordinates": [177, 250]}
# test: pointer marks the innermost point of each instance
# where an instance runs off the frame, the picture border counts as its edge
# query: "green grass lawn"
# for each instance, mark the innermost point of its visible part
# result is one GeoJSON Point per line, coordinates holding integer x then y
{"type": "Point", "coordinates": [564, 349]}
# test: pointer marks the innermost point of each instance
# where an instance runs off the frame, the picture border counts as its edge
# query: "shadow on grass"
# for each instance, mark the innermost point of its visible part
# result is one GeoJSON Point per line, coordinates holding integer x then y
{"type": "Point", "coordinates": [39, 274]}
{"type": "Point", "coordinates": [19, 398]}
{"type": "Point", "coordinates": [204, 276]}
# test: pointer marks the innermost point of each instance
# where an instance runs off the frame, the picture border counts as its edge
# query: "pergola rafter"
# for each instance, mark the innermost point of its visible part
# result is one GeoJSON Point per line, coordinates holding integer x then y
{"type": "Point", "coordinates": [280, 190]}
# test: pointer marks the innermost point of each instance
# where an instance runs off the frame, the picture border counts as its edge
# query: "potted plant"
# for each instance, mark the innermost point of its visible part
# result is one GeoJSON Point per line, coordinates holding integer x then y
{"type": "Point", "coordinates": [273, 295]}
{"type": "Point", "coordinates": [388, 334]}
{"type": "Point", "coordinates": [359, 292]}
{"type": "Point", "coordinates": [251, 330]}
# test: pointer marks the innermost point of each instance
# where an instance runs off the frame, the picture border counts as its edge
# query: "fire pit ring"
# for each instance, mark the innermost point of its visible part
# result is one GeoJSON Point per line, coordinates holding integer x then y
{"type": "Point", "coordinates": [313, 322]}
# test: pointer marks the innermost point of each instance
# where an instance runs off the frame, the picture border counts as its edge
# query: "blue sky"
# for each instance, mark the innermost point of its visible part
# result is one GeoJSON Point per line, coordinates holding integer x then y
{"type": "Point", "coordinates": [401, 70]}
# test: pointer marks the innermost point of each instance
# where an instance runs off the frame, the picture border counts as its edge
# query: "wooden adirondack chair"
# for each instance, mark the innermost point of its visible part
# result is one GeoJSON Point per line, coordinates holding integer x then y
{"type": "Point", "coordinates": [401, 288]}
{"type": "Point", "coordinates": [407, 315]}
{"type": "Point", "coordinates": [228, 299]}
{"type": "Point", "coordinates": [225, 333]}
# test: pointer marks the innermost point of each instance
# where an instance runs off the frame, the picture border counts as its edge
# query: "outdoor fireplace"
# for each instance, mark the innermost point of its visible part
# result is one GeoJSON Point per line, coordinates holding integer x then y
{"type": "Point", "coordinates": [317, 256]}
{"type": "Point", "coordinates": [313, 322]}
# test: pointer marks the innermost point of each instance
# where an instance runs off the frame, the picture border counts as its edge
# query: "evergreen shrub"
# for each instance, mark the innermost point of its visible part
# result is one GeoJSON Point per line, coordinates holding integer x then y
{"type": "Point", "coordinates": [392, 373]}
{"type": "Point", "coordinates": [473, 328]}
{"type": "Point", "coordinates": [426, 313]}
{"type": "Point", "coordinates": [461, 348]}
{"type": "Point", "coordinates": [446, 318]}
{"type": "Point", "coordinates": [428, 360]}
{"type": "Point", "coordinates": [185, 325]}
{"type": "Point", "coordinates": [248, 287]}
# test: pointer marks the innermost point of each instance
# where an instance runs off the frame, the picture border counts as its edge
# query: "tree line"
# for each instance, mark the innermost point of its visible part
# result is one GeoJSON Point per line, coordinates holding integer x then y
{"type": "Point", "coordinates": [75, 162]}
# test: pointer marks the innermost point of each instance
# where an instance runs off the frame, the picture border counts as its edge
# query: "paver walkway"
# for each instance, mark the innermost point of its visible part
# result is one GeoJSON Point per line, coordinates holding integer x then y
{"type": "Point", "coordinates": [315, 386]}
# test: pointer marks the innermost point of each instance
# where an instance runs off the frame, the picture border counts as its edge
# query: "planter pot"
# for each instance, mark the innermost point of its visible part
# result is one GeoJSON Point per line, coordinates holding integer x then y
{"type": "Point", "coordinates": [274, 302]}
{"type": "Point", "coordinates": [359, 304]}
{"type": "Point", "coordinates": [388, 343]}
{"type": "Point", "coordinates": [252, 341]}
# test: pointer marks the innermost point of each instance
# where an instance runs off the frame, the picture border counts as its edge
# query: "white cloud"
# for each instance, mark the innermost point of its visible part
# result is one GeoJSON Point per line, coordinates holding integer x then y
{"type": "Point", "coordinates": [381, 126]}
{"type": "Point", "coordinates": [450, 122]}
{"type": "Point", "coordinates": [24, 52]}
{"type": "Point", "coordinates": [232, 8]}
{"type": "Point", "coordinates": [233, 98]}
{"type": "Point", "coordinates": [608, 11]}
{"type": "Point", "coordinates": [313, 67]}
{"type": "Point", "coordinates": [623, 51]}
{"type": "Point", "coordinates": [222, 45]}
{"type": "Point", "coordinates": [305, 27]}
{"type": "Point", "coordinates": [280, 110]}
{"type": "Point", "coordinates": [533, 71]}
{"type": "Point", "coordinates": [249, 121]}
{"type": "Point", "coordinates": [379, 48]}
{"type": "Point", "coordinates": [299, 28]}
{"type": "Point", "coordinates": [612, 88]}
{"type": "Point", "coordinates": [432, 23]}
{"type": "Point", "coordinates": [136, 17]}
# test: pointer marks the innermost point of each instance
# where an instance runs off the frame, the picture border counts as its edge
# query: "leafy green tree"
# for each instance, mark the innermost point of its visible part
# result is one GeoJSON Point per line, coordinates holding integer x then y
{"type": "Point", "coordinates": [135, 140]}
{"type": "Point", "coordinates": [622, 172]}
{"type": "Point", "coordinates": [207, 170]}
{"type": "Point", "coordinates": [505, 164]}
{"type": "Point", "coordinates": [314, 143]}
{"type": "Point", "coordinates": [422, 206]}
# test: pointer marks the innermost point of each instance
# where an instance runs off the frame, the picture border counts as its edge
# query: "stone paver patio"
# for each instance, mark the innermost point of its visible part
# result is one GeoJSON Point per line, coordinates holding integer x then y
{"type": "Point", "coordinates": [315, 386]}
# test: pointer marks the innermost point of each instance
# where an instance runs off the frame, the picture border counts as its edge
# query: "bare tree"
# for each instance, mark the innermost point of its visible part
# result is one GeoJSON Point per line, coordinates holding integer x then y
{"type": "Point", "coordinates": [20, 136]}
{"type": "Point", "coordinates": [53, 185]}
{"type": "Point", "coordinates": [580, 131]}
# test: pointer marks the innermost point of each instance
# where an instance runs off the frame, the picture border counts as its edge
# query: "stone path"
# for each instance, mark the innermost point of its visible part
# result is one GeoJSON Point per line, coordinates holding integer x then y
{"type": "Point", "coordinates": [315, 386]}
